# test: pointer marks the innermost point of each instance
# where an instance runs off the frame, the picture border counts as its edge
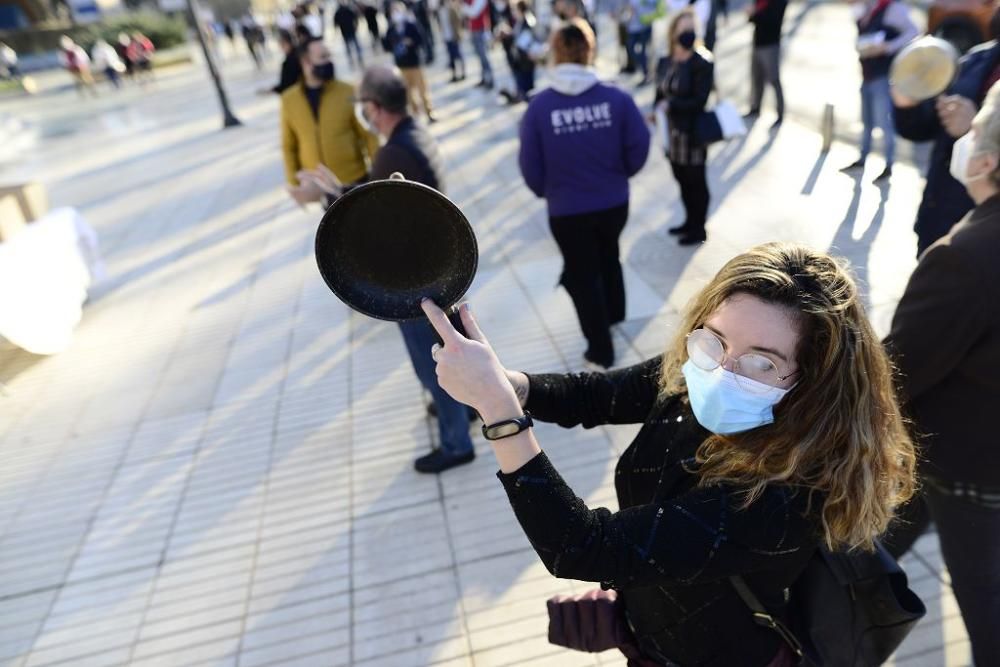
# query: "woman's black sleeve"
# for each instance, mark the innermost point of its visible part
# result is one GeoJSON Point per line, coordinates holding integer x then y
{"type": "Point", "coordinates": [704, 535]}
{"type": "Point", "coordinates": [623, 396]}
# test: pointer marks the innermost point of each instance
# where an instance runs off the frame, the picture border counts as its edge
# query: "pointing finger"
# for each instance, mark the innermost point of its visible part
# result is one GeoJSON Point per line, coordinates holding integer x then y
{"type": "Point", "coordinates": [440, 322]}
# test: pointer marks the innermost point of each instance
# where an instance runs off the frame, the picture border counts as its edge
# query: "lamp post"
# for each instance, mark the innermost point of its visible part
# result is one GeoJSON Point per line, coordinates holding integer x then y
{"type": "Point", "coordinates": [228, 119]}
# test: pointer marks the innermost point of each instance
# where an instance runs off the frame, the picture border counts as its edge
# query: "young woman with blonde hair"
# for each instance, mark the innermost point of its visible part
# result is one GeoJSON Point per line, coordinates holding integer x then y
{"type": "Point", "coordinates": [684, 80]}
{"type": "Point", "coordinates": [770, 427]}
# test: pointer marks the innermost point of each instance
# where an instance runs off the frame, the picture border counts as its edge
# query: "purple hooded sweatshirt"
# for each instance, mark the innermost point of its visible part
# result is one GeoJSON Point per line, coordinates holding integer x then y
{"type": "Point", "coordinates": [581, 140]}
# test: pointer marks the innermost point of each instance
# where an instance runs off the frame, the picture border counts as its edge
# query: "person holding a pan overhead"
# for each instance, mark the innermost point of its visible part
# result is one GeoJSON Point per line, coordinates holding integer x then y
{"type": "Point", "coordinates": [769, 427]}
{"type": "Point", "coordinates": [409, 150]}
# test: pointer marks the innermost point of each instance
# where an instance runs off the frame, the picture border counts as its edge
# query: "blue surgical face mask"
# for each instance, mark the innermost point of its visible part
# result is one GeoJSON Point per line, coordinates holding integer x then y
{"type": "Point", "coordinates": [722, 406]}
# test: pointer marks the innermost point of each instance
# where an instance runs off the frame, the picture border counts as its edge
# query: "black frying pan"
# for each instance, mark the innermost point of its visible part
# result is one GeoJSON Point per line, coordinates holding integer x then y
{"type": "Point", "coordinates": [385, 245]}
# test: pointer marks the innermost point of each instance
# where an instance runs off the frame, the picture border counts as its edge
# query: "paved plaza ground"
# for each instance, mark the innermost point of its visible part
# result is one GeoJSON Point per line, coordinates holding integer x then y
{"type": "Point", "coordinates": [219, 471]}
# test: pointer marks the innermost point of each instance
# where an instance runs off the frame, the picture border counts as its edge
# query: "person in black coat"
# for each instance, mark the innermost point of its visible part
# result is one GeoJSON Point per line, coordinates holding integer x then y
{"type": "Point", "coordinates": [769, 427]}
{"type": "Point", "coordinates": [684, 80]}
{"type": "Point", "coordinates": [346, 20]}
{"type": "Point", "coordinates": [942, 120]}
{"type": "Point", "coordinates": [291, 68]}
{"type": "Point", "coordinates": [945, 340]}
{"type": "Point", "coordinates": [765, 67]}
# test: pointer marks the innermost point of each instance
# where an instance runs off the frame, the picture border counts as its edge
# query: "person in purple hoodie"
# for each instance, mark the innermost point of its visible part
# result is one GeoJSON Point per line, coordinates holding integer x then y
{"type": "Point", "coordinates": [581, 140]}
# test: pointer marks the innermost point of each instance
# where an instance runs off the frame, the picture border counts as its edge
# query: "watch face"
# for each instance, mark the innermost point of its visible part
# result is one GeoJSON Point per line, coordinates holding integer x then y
{"type": "Point", "coordinates": [504, 430]}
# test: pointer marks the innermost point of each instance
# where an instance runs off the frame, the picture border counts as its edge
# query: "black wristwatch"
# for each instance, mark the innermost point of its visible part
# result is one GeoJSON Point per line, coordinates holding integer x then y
{"type": "Point", "coordinates": [508, 428]}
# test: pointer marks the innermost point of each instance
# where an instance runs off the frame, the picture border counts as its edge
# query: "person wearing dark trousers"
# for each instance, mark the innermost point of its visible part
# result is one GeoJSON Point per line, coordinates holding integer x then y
{"type": "Point", "coordinates": [581, 141]}
{"type": "Point", "coordinates": [765, 60]}
{"type": "Point", "coordinates": [640, 16]}
{"type": "Point", "coordinates": [421, 13]}
{"type": "Point", "coordinates": [945, 339]}
{"type": "Point", "coordinates": [291, 68]}
{"type": "Point", "coordinates": [346, 20]}
{"type": "Point", "coordinates": [450, 21]}
{"type": "Point", "coordinates": [684, 80]}
{"type": "Point", "coordinates": [521, 46]}
{"type": "Point", "coordinates": [370, 12]}
{"type": "Point", "coordinates": [411, 151]}
{"type": "Point", "coordinates": [942, 120]}
{"type": "Point", "coordinates": [884, 27]}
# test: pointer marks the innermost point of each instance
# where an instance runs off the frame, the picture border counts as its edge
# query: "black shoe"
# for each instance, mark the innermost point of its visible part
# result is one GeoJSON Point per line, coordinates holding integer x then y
{"type": "Point", "coordinates": [454, 79]}
{"type": "Point", "coordinates": [482, 84]}
{"type": "Point", "coordinates": [692, 238]}
{"type": "Point", "coordinates": [854, 166]}
{"type": "Point", "coordinates": [884, 176]}
{"type": "Point", "coordinates": [439, 461]}
{"type": "Point", "coordinates": [679, 229]}
{"type": "Point", "coordinates": [431, 119]}
{"type": "Point", "coordinates": [777, 124]}
{"type": "Point", "coordinates": [507, 95]}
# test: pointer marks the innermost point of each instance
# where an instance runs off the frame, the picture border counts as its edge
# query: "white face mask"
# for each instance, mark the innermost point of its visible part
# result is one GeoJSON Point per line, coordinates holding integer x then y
{"type": "Point", "coordinates": [961, 153]}
{"type": "Point", "coordinates": [722, 406]}
{"type": "Point", "coordinates": [398, 17]}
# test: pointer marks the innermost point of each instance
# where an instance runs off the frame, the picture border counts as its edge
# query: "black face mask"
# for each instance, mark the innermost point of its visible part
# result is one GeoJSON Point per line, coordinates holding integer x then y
{"type": "Point", "coordinates": [995, 25]}
{"type": "Point", "coordinates": [563, 16]}
{"type": "Point", "coordinates": [323, 72]}
{"type": "Point", "coordinates": [686, 39]}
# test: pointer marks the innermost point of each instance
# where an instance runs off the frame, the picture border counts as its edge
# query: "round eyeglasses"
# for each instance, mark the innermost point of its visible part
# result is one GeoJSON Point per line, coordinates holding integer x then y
{"type": "Point", "coordinates": [707, 352]}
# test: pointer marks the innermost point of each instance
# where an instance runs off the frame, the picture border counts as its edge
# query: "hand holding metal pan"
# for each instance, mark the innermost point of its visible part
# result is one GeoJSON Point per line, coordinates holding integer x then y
{"type": "Point", "coordinates": [385, 245]}
{"type": "Point", "coordinates": [924, 68]}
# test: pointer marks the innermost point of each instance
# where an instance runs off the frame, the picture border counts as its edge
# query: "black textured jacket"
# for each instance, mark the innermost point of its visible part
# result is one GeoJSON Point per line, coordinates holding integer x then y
{"type": "Point", "coordinates": [945, 200]}
{"type": "Point", "coordinates": [945, 339]}
{"type": "Point", "coordinates": [686, 88]}
{"type": "Point", "coordinates": [767, 18]}
{"type": "Point", "coordinates": [671, 547]}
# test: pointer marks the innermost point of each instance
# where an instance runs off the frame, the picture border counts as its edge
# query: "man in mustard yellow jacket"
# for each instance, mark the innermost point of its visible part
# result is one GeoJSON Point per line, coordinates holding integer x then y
{"type": "Point", "coordinates": [319, 125]}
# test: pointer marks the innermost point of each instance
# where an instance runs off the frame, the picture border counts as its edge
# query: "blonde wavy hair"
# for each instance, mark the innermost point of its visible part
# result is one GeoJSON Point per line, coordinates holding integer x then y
{"type": "Point", "coordinates": [839, 430]}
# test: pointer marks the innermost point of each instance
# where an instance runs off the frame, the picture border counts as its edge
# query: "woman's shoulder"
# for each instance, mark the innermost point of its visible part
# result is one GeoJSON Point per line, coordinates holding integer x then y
{"type": "Point", "coordinates": [702, 57]}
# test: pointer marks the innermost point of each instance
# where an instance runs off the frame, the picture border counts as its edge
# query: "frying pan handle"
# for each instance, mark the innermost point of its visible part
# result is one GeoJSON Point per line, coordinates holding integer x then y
{"type": "Point", "coordinates": [455, 317]}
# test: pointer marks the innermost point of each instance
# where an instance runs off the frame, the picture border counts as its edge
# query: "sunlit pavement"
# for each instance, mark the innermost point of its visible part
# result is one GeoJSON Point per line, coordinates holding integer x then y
{"type": "Point", "coordinates": [219, 471]}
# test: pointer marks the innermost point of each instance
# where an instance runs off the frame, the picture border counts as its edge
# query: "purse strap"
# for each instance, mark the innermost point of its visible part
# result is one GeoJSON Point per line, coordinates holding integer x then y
{"type": "Point", "coordinates": [761, 616]}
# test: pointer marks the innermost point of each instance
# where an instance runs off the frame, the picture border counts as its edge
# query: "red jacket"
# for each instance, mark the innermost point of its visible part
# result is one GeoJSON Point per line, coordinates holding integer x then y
{"type": "Point", "coordinates": [480, 22]}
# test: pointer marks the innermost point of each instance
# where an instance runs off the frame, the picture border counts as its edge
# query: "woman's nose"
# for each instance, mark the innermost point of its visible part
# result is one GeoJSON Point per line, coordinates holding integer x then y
{"type": "Point", "coordinates": [729, 365]}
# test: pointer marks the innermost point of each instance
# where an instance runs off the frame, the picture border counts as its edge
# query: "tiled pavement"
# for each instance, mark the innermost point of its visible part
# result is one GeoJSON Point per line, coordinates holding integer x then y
{"type": "Point", "coordinates": [219, 471]}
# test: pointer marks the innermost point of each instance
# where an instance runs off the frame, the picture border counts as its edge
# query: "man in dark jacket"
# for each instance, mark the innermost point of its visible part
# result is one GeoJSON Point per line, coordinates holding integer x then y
{"type": "Point", "coordinates": [943, 120]}
{"type": "Point", "coordinates": [945, 339]}
{"type": "Point", "coordinates": [411, 151]}
{"type": "Point", "coordinates": [346, 20]}
{"type": "Point", "coordinates": [765, 63]}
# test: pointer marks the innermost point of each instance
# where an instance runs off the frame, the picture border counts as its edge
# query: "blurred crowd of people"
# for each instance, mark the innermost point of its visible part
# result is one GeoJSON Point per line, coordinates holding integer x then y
{"type": "Point", "coordinates": [129, 59]}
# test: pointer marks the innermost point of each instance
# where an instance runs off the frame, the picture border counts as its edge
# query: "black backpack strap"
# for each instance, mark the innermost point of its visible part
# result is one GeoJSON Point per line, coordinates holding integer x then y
{"type": "Point", "coordinates": [762, 618]}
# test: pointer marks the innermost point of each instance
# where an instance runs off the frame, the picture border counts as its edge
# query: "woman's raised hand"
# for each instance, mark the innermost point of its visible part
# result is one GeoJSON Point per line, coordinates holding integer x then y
{"type": "Point", "coordinates": [468, 368]}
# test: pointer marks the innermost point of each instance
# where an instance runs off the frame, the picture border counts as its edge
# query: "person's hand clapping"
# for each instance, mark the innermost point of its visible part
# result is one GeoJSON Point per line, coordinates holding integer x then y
{"type": "Point", "coordinates": [468, 368]}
